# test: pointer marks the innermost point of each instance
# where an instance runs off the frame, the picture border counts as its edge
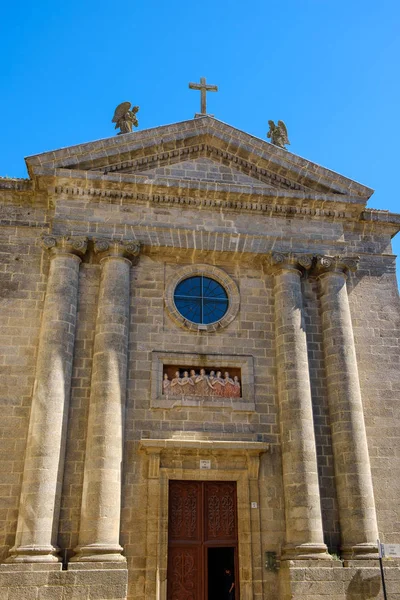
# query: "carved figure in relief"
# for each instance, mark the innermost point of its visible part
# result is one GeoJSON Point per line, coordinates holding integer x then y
{"type": "Point", "coordinates": [166, 384]}
{"type": "Point", "coordinates": [219, 384]}
{"type": "Point", "coordinates": [229, 385]}
{"type": "Point", "coordinates": [186, 383]}
{"type": "Point", "coordinates": [175, 387]}
{"type": "Point", "coordinates": [211, 381]}
{"type": "Point", "coordinates": [201, 384]}
{"type": "Point", "coordinates": [278, 134]}
{"type": "Point", "coordinates": [236, 387]}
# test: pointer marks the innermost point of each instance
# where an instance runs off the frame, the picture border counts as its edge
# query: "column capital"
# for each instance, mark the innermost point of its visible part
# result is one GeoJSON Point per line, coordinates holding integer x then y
{"type": "Point", "coordinates": [65, 244]}
{"type": "Point", "coordinates": [117, 248]}
{"type": "Point", "coordinates": [290, 261]}
{"type": "Point", "coordinates": [336, 264]}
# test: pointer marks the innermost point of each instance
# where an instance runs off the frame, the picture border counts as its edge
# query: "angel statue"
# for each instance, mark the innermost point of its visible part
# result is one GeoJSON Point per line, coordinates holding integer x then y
{"type": "Point", "coordinates": [278, 134]}
{"type": "Point", "coordinates": [124, 118]}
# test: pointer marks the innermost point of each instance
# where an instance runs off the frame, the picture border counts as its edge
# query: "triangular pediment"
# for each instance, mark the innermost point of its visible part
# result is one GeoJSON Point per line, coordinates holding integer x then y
{"type": "Point", "coordinates": [199, 150]}
{"type": "Point", "coordinates": [199, 168]}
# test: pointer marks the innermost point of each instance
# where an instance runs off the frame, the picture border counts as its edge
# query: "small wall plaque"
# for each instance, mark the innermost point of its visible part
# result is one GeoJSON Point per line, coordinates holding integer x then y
{"type": "Point", "coordinates": [205, 464]}
{"type": "Point", "coordinates": [254, 505]}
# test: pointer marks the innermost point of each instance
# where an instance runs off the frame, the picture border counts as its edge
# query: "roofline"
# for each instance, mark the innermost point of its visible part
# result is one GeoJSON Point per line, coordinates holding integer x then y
{"type": "Point", "coordinates": [280, 157]}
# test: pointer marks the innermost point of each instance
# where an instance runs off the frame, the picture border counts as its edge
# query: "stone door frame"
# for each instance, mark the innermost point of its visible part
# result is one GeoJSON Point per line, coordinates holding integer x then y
{"type": "Point", "coordinates": [230, 461]}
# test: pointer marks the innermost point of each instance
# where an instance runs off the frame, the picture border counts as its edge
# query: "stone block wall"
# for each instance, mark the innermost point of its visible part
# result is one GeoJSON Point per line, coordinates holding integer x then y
{"type": "Point", "coordinates": [300, 581]}
{"type": "Point", "coordinates": [236, 242]}
{"type": "Point", "coordinates": [374, 300]}
{"type": "Point", "coordinates": [48, 582]}
{"type": "Point", "coordinates": [22, 287]}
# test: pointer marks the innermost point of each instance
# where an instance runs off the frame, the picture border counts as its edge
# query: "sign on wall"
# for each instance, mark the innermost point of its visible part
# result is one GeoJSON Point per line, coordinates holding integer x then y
{"type": "Point", "coordinates": [389, 550]}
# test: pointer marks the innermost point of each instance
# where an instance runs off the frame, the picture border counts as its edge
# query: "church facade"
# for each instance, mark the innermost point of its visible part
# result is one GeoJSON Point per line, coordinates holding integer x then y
{"type": "Point", "coordinates": [200, 374]}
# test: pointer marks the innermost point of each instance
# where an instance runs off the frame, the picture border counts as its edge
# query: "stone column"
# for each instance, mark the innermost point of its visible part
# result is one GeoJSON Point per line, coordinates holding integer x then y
{"type": "Point", "coordinates": [101, 501]}
{"type": "Point", "coordinates": [43, 469]}
{"type": "Point", "coordinates": [357, 514]}
{"type": "Point", "coordinates": [304, 533]}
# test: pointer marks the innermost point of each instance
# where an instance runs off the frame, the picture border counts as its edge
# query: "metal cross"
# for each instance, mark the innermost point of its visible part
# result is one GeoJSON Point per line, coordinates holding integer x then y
{"type": "Point", "coordinates": [204, 88]}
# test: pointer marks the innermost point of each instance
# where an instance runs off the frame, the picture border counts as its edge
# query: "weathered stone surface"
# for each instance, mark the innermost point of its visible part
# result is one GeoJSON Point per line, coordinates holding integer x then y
{"type": "Point", "coordinates": [238, 200]}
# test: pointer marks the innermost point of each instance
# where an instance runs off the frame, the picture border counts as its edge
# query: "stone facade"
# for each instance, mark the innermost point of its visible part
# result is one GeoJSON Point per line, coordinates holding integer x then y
{"type": "Point", "coordinates": [92, 247]}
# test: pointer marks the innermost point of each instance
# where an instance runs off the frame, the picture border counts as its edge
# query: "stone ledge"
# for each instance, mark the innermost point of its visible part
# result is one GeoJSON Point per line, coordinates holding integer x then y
{"type": "Point", "coordinates": [172, 444]}
{"type": "Point", "coordinates": [204, 402]}
{"type": "Point", "coordinates": [84, 182]}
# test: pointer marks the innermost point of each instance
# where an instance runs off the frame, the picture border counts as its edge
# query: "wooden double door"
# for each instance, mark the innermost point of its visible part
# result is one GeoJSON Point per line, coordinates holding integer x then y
{"type": "Point", "coordinates": [202, 541]}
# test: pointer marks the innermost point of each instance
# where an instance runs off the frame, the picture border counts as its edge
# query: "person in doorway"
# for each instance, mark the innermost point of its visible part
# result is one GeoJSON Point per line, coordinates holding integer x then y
{"type": "Point", "coordinates": [229, 585]}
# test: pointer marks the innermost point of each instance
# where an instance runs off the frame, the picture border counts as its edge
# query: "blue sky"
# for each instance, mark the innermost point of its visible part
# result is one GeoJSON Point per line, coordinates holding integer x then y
{"type": "Point", "coordinates": [328, 68]}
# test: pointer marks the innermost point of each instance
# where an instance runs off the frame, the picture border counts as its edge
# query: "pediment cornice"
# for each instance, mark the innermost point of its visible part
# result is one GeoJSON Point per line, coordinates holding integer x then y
{"type": "Point", "coordinates": [135, 189]}
{"type": "Point", "coordinates": [267, 163]}
{"type": "Point", "coordinates": [209, 150]}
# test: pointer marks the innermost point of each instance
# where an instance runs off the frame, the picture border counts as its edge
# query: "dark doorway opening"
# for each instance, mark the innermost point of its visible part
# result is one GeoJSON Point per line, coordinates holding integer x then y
{"type": "Point", "coordinates": [221, 573]}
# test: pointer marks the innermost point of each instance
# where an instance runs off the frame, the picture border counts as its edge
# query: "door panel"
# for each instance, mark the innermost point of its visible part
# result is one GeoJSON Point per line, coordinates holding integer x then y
{"type": "Point", "coordinates": [184, 573]}
{"type": "Point", "coordinates": [185, 514]}
{"type": "Point", "coordinates": [220, 502]}
{"type": "Point", "coordinates": [201, 515]}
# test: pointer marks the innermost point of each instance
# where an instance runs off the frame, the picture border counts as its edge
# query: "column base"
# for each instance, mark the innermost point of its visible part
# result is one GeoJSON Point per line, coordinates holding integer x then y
{"type": "Point", "coordinates": [33, 554]}
{"type": "Point", "coordinates": [99, 553]}
{"type": "Point", "coordinates": [305, 552]}
{"type": "Point", "coordinates": [360, 552]}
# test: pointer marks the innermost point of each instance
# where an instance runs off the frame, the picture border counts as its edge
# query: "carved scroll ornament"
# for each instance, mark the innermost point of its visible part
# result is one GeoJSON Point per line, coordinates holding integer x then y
{"type": "Point", "coordinates": [65, 243]}
{"type": "Point", "coordinates": [342, 264]}
{"type": "Point", "coordinates": [122, 248]}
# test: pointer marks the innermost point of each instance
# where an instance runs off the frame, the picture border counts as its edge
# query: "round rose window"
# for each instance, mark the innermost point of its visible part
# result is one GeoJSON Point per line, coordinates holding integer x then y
{"type": "Point", "coordinates": [201, 300]}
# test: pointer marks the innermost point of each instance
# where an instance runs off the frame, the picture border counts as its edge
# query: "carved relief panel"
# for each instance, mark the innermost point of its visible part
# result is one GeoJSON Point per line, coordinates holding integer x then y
{"type": "Point", "coordinates": [215, 383]}
{"type": "Point", "coordinates": [212, 381]}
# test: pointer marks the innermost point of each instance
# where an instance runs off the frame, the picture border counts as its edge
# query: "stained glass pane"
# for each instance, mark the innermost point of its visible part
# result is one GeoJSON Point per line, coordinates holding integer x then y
{"type": "Point", "coordinates": [201, 299]}
{"type": "Point", "coordinates": [189, 287]}
{"type": "Point", "coordinates": [213, 310]}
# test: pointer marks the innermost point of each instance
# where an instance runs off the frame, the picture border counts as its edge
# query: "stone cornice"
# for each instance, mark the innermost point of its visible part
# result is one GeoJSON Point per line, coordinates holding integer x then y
{"type": "Point", "coordinates": [381, 216]}
{"type": "Point", "coordinates": [209, 151]}
{"type": "Point", "coordinates": [105, 152]}
{"type": "Point", "coordinates": [65, 244]}
{"type": "Point", "coordinates": [126, 186]}
{"type": "Point", "coordinates": [14, 183]}
{"type": "Point", "coordinates": [258, 198]}
{"type": "Point", "coordinates": [171, 445]}
{"type": "Point", "coordinates": [229, 197]}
